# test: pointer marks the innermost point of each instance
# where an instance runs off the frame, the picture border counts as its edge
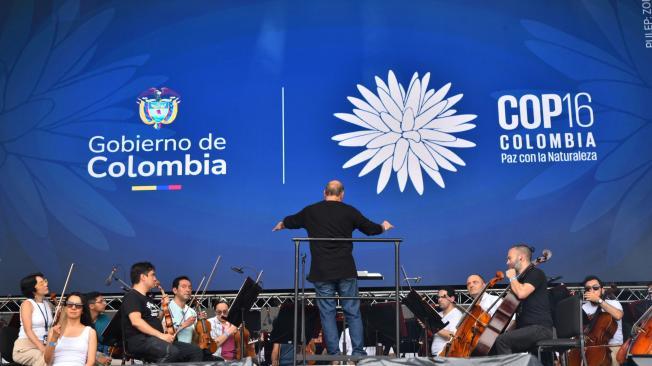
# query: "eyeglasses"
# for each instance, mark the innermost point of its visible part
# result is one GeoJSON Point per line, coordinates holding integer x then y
{"type": "Point", "coordinates": [99, 301]}
{"type": "Point", "coordinates": [221, 311]}
{"type": "Point", "coordinates": [42, 283]}
{"type": "Point", "coordinates": [594, 288]}
{"type": "Point", "coordinates": [74, 305]}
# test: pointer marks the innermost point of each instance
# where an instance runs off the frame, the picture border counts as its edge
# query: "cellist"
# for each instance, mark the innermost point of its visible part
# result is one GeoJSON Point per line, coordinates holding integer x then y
{"type": "Point", "coordinates": [141, 321]}
{"type": "Point", "coordinates": [533, 318]}
{"type": "Point", "coordinates": [595, 299]}
{"type": "Point", "coordinates": [474, 285]}
{"type": "Point", "coordinates": [449, 313]}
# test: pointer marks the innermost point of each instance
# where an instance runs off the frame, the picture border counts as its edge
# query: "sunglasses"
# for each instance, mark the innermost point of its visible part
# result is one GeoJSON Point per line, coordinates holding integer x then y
{"type": "Point", "coordinates": [594, 288]}
{"type": "Point", "coordinates": [74, 305]}
{"type": "Point", "coordinates": [221, 311]}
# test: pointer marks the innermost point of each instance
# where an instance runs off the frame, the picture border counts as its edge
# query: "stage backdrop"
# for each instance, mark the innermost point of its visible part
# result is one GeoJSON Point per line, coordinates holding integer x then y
{"type": "Point", "coordinates": [177, 131]}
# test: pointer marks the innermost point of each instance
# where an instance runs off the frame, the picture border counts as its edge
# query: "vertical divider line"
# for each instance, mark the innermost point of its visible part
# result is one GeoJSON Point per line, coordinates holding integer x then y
{"type": "Point", "coordinates": [283, 131]}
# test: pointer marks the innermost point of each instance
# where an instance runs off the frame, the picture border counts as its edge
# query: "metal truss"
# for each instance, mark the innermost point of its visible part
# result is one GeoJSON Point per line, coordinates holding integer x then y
{"type": "Point", "coordinates": [11, 305]}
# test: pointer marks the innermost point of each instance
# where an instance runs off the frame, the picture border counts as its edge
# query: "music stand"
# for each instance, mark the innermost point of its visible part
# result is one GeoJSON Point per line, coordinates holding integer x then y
{"type": "Point", "coordinates": [112, 334]}
{"type": "Point", "coordinates": [425, 313]}
{"type": "Point", "coordinates": [377, 328]}
{"type": "Point", "coordinates": [282, 326]}
{"type": "Point", "coordinates": [243, 302]}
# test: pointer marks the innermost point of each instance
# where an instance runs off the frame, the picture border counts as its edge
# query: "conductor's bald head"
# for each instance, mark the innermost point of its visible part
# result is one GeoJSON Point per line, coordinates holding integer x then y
{"type": "Point", "coordinates": [334, 191]}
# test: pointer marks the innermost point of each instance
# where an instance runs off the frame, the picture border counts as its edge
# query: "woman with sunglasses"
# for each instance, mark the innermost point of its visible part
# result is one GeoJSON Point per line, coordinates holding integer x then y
{"type": "Point", "coordinates": [72, 342]}
{"type": "Point", "coordinates": [222, 332]}
{"type": "Point", "coordinates": [35, 320]}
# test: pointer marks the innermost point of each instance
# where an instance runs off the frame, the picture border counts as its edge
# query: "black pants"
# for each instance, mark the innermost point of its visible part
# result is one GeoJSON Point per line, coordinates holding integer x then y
{"type": "Point", "coordinates": [156, 350]}
{"type": "Point", "coordinates": [521, 339]}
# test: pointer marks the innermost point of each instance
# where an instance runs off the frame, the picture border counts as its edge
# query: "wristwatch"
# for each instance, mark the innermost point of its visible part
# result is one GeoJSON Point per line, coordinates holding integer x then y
{"type": "Point", "coordinates": [600, 301]}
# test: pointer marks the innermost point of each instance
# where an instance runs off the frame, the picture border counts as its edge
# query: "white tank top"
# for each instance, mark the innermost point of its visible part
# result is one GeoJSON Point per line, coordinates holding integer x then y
{"type": "Point", "coordinates": [72, 351]}
{"type": "Point", "coordinates": [41, 316]}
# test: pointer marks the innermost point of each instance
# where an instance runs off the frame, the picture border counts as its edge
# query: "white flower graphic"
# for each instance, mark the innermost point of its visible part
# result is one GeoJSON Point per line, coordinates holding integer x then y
{"type": "Point", "coordinates": [406, 131]}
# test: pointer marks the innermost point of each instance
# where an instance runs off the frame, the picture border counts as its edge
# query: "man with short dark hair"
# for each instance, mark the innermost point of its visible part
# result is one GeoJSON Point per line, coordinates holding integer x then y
{"type": "Point", "coordinates": [97, 306]}
{"type": "Point", "coordinates": [596, 303]}
{"type": "Point", "coordinates": [332, 268]}
{"type": "Point", "coordinates": [449, 313]}
{"type": "Point", "coordinates": [533, 319]}
{"type": "Point", "coordinates": [141, 320]}
{"type": "Point", "coordinates": [183, 316]}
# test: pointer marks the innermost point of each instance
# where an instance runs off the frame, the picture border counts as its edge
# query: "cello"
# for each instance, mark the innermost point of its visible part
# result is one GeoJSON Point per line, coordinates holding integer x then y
{"type": "Point", "coordinates": [505, 312]}
{"type": "Point", "coordinates": [640, 343]}
{"type": "Point", "coordinates": [602, 326]}
{"type": "Point", "coordinates": [471, 326]}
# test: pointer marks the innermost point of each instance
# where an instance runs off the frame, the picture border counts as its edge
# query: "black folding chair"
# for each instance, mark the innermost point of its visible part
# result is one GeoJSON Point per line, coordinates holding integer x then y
{"type": "Point", "coordinates": [569, 326]}
{"type": "Point", "coordinates": [8, 336]}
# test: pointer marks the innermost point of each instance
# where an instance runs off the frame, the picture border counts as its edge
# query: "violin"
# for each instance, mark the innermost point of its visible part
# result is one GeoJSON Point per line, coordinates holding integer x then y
{"type": "Point", "coordinates": [203, 327]}
{"type": "Point", "coordinates": [53, 298]}
{"type": "Point", "coordinates": [115, 352]}
{"type": "Point", "coordinates": [471, 326]}
{"type": "Point", "coordinates": [503, 315]}
{"type": "Point", "coordinates": [249, 347]}
{"type": "Point", "coordinates": [601, 328]}
{"type": "Point", "coordinates": [168, 324]}
{"type": "Point", "coordinates": [203, 330]}
{"type": "Point", "coordinates": [315, 346]}
{"type": "Point", "coordinates": [640, 343]}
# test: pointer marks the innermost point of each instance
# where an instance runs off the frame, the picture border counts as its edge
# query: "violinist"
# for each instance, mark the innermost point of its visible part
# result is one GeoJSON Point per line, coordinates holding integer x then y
{"type": "Point", "coordinates": [595, 299]}
{"type": "Point", "coordinates": [99, 321]}
{"type": "Point", "coordinates": [36, 319]}
{"type": "Point", "coordinates": [533, 318]}
{"type": "Point", "coordinates": [72, 341]}
{"type": "Point", "coordinates": [474, 284]}
{"type": "Point", "coordinates": [141, 321]}
{"type": "Point", "coordinates": [449, 313]}
{"type": "Point", "coordinates": [183, 316]}
{"type": "Point", "coordinates": [222, 332]}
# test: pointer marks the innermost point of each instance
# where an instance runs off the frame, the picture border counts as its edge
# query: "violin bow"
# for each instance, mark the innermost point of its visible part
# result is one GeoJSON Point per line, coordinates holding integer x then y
{"type": "Point", "coordinates": [210, 278]}
{"type": "Point", "coordinates": [57, 310]}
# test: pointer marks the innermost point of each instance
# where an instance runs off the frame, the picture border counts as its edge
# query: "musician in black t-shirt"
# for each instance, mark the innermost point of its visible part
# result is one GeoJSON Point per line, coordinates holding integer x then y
{"type": "Point", "coordinates": [533, 318]}
{"type": "Point", "coordinates": [141, 321]}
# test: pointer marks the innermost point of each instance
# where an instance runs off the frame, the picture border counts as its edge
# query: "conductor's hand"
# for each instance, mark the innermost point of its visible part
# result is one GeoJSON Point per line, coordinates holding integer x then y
{"type": "Point", "coordinates": [386, 225]}
{"type": "Point", "coordinates": [279, 226]}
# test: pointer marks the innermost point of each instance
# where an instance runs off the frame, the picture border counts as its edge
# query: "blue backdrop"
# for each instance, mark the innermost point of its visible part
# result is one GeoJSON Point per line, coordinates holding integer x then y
{"type": "Point", "coordinates": [525, 122]}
